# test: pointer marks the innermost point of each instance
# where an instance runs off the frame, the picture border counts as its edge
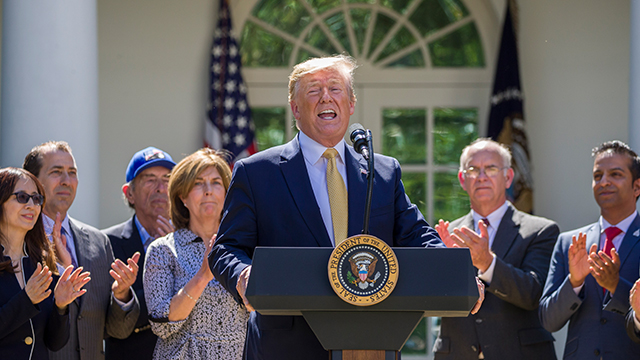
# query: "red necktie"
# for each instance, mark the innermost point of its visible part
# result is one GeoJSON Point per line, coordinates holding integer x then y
{"type": "Point", "coordinates": [610, 233]}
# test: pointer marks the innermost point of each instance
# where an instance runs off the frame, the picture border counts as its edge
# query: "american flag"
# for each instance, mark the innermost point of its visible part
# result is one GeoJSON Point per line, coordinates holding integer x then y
{"type": "Point", "coordinates": [228, 125]}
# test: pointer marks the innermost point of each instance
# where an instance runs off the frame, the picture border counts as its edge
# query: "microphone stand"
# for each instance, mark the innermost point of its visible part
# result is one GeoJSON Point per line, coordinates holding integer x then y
{"type": "Point", "coordinates": [367, 205]}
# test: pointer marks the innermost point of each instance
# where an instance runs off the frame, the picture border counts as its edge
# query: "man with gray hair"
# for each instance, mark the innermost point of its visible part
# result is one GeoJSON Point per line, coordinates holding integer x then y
{"type": "Point", "coordinates": [511, 251]}
{"type": "Point", "coordinates": [280, 197]}
{"type": "Point", "coordinates": [145, 191]}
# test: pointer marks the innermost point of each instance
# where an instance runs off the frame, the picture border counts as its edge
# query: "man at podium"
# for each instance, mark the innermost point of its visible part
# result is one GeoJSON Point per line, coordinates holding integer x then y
{"type": "Point", "coordinates": [309, 192]}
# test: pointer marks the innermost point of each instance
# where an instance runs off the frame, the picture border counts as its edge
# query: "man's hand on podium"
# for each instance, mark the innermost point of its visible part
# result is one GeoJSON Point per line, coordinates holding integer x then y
{"type": "Point", "coordinates": [476, 308]}
{"type": "Point", "coordinates": [241, 286]}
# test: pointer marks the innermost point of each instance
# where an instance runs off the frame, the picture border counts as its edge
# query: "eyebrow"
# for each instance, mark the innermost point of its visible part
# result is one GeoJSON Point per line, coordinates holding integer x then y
{"type": "Point", "coordinates": [62, 167]}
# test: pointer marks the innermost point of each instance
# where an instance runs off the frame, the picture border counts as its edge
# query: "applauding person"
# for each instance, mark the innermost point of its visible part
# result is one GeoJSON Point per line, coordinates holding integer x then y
{"type": "Point", "coordinates": [31, 319]}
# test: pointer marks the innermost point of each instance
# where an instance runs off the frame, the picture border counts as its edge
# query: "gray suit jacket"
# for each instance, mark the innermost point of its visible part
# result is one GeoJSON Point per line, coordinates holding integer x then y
{"type": "Point", "coordinates": [95, 314]}
{"type": "Point", "coordinates": [507, 325]}
{"type": "Point", "coordinates": [596, 321]}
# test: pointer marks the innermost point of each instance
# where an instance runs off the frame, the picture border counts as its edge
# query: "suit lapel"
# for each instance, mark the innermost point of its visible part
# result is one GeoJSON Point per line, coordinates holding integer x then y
{"type": "Point", "coordinates": [81, 242]}
{"type": "Point", "coordinates": [357, 180]}
{"type": "Point", "coordinates": [132, 241]}
{"type": "Point", "coordinates": [593, 237]}
{"type": "Point", "coordinates": [506, 233]}
{"type": "Point", "coordinates": [630, 240]}
{"type": "Point", "coordinates": [296, 176]}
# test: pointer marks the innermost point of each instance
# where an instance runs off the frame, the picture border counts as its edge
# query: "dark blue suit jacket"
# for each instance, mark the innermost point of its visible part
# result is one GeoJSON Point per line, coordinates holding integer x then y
{"type": "Point", "coordinates": [271, 203]}
{"type": "Point", "coordinates": [596, 320]}
{"type": "Point", "coordinates": [19, 319]}
{"type": "Point", "coordinates": [125, 241]}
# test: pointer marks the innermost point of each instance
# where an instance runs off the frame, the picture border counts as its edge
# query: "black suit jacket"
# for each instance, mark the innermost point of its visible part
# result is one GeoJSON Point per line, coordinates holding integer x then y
{"type": "Point", "coordinates": [507, 325]}
{"type": "Point", "coordinates": [125, 241]}
{"type": "Point", "coordinates": [19, 319]}
{"type": "Point", "coordinates": [271, 203]}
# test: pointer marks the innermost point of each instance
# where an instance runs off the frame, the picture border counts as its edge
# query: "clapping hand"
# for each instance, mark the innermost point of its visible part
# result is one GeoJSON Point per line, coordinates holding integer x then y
{"type": "Point", "coordinates": [605, 269]}
{"type": "Point", "coordinates": [164, 226]}
{"type": "Point", "coordinates": [37, 287]}
{"type": "Point", "coordinates": [443, 230]}
{"type": "Point", "coordinates": [578, 259]}
{"type": "Point", "coordinates": [205, 269]}
{"type": "Point", "coordinates": [124, 276]}
{"type": "Point", "coordinates": [69, 287]}
{"type": "Point", "coordinates": [60, 242]}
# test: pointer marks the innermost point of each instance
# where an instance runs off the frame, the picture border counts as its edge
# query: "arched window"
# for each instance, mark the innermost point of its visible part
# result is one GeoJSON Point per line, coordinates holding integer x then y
{"type": "Point", "coordinates": [423, 84]}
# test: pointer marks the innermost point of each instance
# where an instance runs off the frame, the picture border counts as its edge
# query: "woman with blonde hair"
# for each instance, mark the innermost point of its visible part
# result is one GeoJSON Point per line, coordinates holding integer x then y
{"type": "Point", "coordinates": [193, 315]}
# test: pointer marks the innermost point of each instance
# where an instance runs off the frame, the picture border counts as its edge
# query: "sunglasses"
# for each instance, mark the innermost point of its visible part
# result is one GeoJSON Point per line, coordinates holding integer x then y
{"type": "Point", "coordinates": [23, 198]}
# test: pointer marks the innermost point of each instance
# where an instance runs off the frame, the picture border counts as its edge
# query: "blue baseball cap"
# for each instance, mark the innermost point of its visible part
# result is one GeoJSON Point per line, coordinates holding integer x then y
{"type": "Point", "coordinates": [147, 158]}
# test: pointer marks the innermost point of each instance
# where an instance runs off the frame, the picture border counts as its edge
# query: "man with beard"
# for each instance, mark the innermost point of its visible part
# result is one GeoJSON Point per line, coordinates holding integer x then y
{"type": "Point", "coordinates": [145, 191]}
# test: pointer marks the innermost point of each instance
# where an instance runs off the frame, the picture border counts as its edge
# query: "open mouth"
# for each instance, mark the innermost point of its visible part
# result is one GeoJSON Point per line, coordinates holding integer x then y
{"type": "Point", "coordinates": [328, 114]}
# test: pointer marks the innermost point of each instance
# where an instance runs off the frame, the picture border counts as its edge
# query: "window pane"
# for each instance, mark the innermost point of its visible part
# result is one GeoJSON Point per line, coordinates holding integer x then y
{"type": "Point", "coordinates": [400, 40]}
{"type": "Point", "coordinates": [383, 26]}
{"type": "Point", "coordinates": [417, 343]}
{"type": "Point", "coordinates": [321, 6]}
{"type": "Point", "coordinates": [415, 186]}
{"type": "Point", "coordinates": [460, 48]}
{"type": "Point", "coordinates": [413, 59]}
{"type": "Point", "coordinates": [453, 130]}
{"type": "Point", "coordinates": [432, 15]}
{"type": "Point", "coordinates": [318, 39]}
{"type": "Point", "coordinates": [261, 48]}
{"type": "Point", "coordinates": [286, 15]}
{"type": "Point", "coordinates": [270, 126]}
{"type": "Point", "coordinates": [360, 21]}
{"type": "Point", "coordinates": [304, 55]}
{"type": "Point", "coordinates": [338, 27]}
{"type": "Point", "coordinates": [404, 135]}
{"type": "Point", "coordinates": [398, 5]}
{"type": "Point", "coordinates": [450, 201]}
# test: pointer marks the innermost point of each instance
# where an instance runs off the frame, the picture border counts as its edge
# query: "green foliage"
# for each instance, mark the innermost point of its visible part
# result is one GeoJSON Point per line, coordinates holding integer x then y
{"type": "Point", "coordinates": [461, 48]}
{"type": "Point", "coordinates": [404, 134]}
{"type": "Point", "coordinates": [453, 130]}
{"type": "Point", "coordinates": [287, 15]}
{"type": "Point", "coordinates": [415, 186]}
{"type": "Point", "coordinates": [450, 200]}
{"type": "Point", "coordinates": [400, 40]}
{"type": "Point", "coordinates": [350, 278]}
{"type": "Point", "coordinates": [260, 48]}
{"type": "Point", "coordinates": [270, 126]}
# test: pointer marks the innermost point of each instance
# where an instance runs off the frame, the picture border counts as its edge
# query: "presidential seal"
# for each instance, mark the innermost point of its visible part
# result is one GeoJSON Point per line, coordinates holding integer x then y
{"type": "Point", "coordinates": [363, 270]}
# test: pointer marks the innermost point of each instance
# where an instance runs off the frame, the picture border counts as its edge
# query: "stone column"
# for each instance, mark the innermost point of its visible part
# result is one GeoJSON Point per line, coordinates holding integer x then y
{"type": "Point", "coordinates": [50, 87]}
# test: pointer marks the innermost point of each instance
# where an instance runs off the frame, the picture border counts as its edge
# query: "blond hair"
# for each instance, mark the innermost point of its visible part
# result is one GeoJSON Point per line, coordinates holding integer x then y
{"type": "Point", "coordinates": [344, 64]}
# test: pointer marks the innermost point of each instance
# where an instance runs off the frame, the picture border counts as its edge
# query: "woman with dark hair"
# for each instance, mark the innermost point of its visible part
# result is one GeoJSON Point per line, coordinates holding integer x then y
{"type": "Point", "coordinates": [194, 316]}
{"type": "Point", "coordinates": [31, 320]}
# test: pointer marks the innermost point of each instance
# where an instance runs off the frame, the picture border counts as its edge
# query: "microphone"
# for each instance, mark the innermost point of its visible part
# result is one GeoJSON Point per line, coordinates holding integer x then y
{"type": "Point", "coordinates": [358, 137]}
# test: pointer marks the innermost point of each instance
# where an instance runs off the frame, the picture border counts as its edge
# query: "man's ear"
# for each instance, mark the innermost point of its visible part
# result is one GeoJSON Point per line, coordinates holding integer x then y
{"type": "Point", "coordinates": [636, 188]}
{"type": "Point", "coordinates": [461, 180]}
{"type": "Point", "coordinates": [294, 109]}
{"type": "Point", "coordinates": [126, 190]}
{"type": "Point", "coordinates": [510, 175]}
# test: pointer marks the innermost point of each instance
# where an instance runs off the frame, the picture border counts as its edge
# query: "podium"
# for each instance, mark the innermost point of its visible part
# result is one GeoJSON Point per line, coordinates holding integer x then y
{"type": "Point", "coordinates": [294, 281]}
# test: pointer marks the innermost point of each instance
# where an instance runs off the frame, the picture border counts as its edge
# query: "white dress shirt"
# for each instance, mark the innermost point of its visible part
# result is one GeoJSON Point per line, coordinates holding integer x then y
{"type": "Point", "coordinates": [317, 169]}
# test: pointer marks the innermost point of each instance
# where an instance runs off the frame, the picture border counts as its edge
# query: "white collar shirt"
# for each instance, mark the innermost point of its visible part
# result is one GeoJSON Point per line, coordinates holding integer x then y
{"type": "Point", "coordinates": [316, 166]}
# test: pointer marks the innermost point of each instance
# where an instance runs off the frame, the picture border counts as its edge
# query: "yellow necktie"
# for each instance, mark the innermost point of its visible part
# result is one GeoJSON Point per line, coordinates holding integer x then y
{"type": "Point", "coordinates": [338, 198]}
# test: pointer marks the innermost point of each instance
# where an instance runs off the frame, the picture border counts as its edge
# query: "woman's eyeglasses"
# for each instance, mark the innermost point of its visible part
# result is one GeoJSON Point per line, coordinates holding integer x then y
{"type": "Point", "coordinates": [23, 198]}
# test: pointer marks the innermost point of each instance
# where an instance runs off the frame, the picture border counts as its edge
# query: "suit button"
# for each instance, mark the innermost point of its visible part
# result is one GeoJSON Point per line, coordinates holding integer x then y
{"type": "Point", "coordinates": [596, 352]}
{"type": "Point", "coordinates": [474, 348]}
{"type": "Point", "coordinates": [28, 340]}
{"type": "Point", "coordinates": [478, 321]}
{"type": "Point", "coordinates": [79, 317]}
{"type": "Point", "coordinates": [603, 321]}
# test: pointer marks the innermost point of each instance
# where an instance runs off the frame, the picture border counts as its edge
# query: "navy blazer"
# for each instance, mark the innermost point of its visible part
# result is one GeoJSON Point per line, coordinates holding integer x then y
{"type": "Point", "coordinates": [125, 241]}
{"type": "Point", "coordinates": [20, 318]}
{"type": "Point", "coordinates": [271, 203]}
{"type": "Point", "coordinates": [596, 320]}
